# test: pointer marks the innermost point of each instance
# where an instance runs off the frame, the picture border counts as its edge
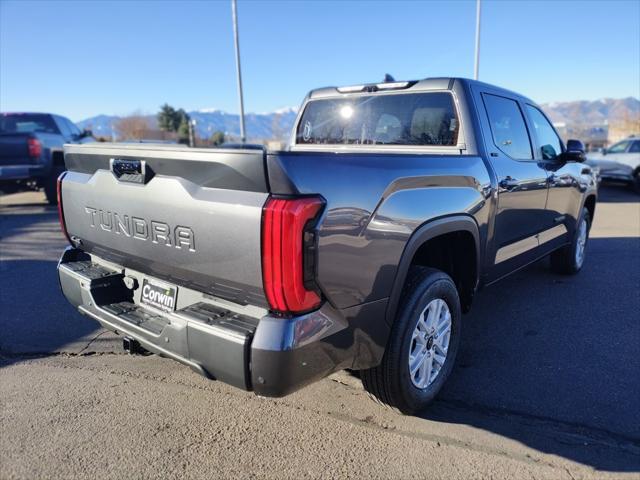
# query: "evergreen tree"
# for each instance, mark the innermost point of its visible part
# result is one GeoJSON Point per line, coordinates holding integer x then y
{"type": "Point", "coordinates": [183, 129]}
{"type": "Point", "coordinates": [217, 138]}
{"type": "Point", "coordinates": [168, 119]}
{"type": "Point", "coordinates": [181, 117]}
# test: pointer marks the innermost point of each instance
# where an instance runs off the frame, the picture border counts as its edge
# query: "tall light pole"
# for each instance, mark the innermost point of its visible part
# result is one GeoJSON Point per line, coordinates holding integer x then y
{"type": "Point", "coordinates": [192, 136]}
{"type": "Point", "coordinates": [234, 11]}
{"type": "Point", "coordinates": [476, 66]}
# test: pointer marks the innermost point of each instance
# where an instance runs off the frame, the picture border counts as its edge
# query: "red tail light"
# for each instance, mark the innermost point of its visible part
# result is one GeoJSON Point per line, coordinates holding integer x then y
{"type": "Point", "coordinates": [63, 225]}
{"type": "Point", "coordinates": [288, 253]}
{"type": "Point", "coordinates": [35, 147]}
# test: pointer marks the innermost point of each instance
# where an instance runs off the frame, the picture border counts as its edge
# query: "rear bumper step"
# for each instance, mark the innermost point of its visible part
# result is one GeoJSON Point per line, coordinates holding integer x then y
{"type": "Point", "coordinates": [211, 340]}
{"type": "Point", "coordinates": [270, 355]}
{"type": "Point", "coordinates": [129, 312]}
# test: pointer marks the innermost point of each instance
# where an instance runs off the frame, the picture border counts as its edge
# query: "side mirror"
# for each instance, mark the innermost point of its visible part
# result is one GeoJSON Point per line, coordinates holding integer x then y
{"type": "Point", "coordinates": [603, 150]}
{"type": "Point", "coordinates": [86, 133]}
{"type": "Point", "coordinates": [574, 152]}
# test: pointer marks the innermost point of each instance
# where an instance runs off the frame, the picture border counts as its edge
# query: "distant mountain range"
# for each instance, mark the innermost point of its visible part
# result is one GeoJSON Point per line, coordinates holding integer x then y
{"type": "Point", "coordinates": [597, 112]}
{"type": "Point", "coordinates": [278, 124]}
{"type": "Point", "coordinates": [275, 124]}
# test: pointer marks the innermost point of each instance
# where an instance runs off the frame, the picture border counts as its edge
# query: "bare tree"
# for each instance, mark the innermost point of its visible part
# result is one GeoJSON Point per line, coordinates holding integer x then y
{"type": "Point", "coordinates": [630, 122]}
{"type": "Point", "coordinates": [133, 127]}
{"type": "Point", "coordinates": [277, 132]}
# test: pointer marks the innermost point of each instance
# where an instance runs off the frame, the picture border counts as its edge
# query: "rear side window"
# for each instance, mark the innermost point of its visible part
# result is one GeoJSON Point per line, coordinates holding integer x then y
{"type": "Point", "coordinates": [399, 119]}
{"type": "Point", "coordinates": [64, 126]}
{"type": "Point", "coordinates": [549, 146]}
{"type": "Point", "coordinates": [508, 127]}
{"type": "Point", "coordinates": [27, 123]}
{"type": "Point", "coordinates": [73, 127]}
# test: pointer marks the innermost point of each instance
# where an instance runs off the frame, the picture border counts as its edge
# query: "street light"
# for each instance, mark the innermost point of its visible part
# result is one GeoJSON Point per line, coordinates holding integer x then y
{"type": "Point", "coordinates": [476, 66]}
{"type": "Point", "coordinates": [234, 13]}
{"type": "Point", "coordinates": [192, 137]}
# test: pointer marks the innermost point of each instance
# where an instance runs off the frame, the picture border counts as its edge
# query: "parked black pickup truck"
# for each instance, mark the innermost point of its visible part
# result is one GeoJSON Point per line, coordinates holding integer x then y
{"type": "Point", "coordinates": [358, 248]}
{"type": "Point", "coordinates": [31, 150]}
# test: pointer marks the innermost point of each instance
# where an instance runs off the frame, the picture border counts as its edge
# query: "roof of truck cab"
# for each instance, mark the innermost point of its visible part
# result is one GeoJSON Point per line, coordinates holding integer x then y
{"type": "Point", "coordinates": [424, 85]}
{"type": "Point", "coordinates": [495, 88]}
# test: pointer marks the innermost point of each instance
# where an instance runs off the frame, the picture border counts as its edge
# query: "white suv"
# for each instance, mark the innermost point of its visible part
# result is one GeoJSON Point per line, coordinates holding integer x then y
{"type": "Point", "coordinates": [620, 162]}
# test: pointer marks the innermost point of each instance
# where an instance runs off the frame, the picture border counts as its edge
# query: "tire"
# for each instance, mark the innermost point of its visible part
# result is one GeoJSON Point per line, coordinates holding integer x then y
{"type": "Point", "coordinates": [635, 184]}
{"type": "Point", "coordinates": [568, 260]}
{"type": "Point", "coordinates": [51, 187]}
{"type": "Point", "coordinates": [391, 382]}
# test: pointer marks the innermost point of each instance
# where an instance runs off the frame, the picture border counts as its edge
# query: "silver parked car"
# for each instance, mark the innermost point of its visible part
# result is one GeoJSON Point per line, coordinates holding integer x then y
{"type": "Point", "coordinates": [619, 162]}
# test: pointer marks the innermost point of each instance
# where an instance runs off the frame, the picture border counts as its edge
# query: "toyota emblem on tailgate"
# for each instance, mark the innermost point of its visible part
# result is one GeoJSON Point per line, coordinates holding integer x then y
{"type": "Point", "coordinates": [126, 170]}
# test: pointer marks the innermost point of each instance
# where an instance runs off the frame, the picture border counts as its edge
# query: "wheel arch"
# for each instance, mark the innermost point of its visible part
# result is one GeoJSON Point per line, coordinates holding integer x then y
{"type": "Point", "coordinates": [426, 233]}
{"type": "Point", "coordinates": [590, 205]}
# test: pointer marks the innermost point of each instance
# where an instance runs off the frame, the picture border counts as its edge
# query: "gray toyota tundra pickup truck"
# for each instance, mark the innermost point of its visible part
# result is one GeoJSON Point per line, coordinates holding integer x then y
{"type": "Point", "coordinates": [359, 247]}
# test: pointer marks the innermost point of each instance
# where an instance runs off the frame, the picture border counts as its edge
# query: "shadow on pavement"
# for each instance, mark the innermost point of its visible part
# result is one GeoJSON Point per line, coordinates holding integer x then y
{"type": "Point", "coordinates": [616, 193]}
{"type": "Point", "coordinates": [35, 319]}
{"type": "Point", "coordinates": [561, 350]}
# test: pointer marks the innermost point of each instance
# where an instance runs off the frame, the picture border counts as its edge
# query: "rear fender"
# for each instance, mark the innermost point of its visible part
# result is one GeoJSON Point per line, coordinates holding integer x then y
{"type": "Point", "coordinates": [423, 234]}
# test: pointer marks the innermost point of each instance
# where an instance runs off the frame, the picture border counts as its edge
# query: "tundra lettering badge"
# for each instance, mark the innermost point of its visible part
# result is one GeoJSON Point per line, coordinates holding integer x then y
{"type": "Point", "coordinates": [158, 295]}
{"type": "Point", "coordinates": [159, 233]}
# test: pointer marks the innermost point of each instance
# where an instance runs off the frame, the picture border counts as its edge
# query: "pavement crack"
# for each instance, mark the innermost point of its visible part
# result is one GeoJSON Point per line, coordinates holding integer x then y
{"type": "Point", "coordinates": [92, 340]}
{"type": "Point", "coordinates": [37, 355]}
{"type": "Point", "coordinates": [569, 473]}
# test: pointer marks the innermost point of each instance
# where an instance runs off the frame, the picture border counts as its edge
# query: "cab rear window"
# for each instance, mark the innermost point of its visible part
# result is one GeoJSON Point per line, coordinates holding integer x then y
{"type": "Point", "coordinates": [398, 119]}
{"type": "Point", "coordinates": [27, 123]}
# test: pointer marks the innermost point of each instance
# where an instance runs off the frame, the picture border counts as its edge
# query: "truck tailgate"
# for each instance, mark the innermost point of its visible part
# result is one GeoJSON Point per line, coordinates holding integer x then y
{"type": "Point", "coordinates": [191, 217]}
{"type": "Point", "coordinates": [14, 149]}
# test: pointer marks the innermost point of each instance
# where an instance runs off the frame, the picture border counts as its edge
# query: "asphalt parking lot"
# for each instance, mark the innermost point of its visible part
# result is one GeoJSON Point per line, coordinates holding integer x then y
{"type": "Point", "coordinates": [547, 384]}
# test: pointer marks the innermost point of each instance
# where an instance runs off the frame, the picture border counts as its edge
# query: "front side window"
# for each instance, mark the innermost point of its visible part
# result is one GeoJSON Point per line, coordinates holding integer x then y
{"type": "Point", "coordinates": [619, 147]}
{"type": "Point", "coordinates": [549, 145]}
{"type": "Point", "coordinates": [507, 127]}
{"type": "Point", "coordinates": [635, 148]}
{"type": "Point", "coordinates": [397, 119]}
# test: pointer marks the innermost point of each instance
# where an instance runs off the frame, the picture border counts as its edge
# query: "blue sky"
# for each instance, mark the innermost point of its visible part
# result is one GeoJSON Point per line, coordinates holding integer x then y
{"type": "Point", "coordinates": [82, 58]}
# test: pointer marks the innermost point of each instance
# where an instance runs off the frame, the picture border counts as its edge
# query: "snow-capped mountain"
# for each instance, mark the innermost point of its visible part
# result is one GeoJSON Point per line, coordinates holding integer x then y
{"type": "Point", "coordinates": [273, 125]}
{"type": "Point", "coordinates": [597, 112]}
